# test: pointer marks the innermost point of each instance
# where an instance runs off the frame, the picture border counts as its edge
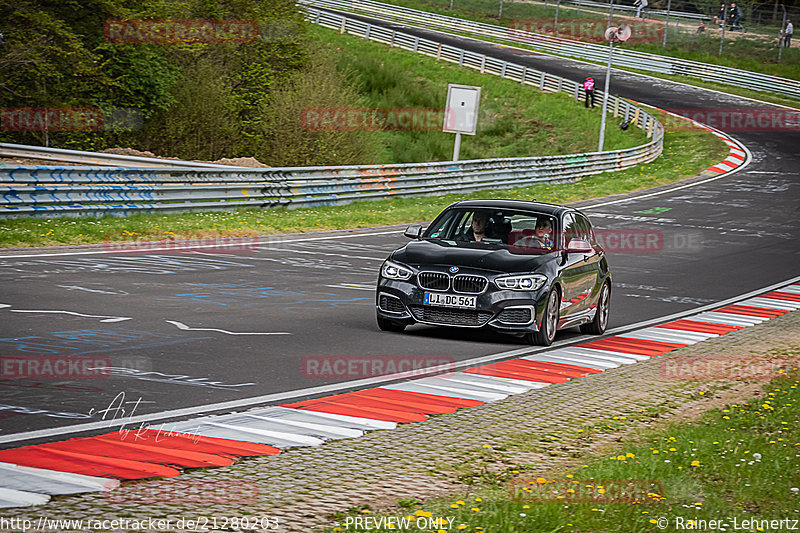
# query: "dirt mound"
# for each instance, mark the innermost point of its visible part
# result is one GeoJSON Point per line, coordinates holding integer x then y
{"type": "Point", "coordinates": [249, 162]}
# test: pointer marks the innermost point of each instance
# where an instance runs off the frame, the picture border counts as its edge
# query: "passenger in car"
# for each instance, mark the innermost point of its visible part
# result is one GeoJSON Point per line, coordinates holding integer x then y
{"type": "Point", "coordinates": [544, 232]}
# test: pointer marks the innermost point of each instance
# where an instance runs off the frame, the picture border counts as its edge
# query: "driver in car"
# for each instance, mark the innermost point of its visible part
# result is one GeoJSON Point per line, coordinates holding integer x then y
{"type": "Point", "coordinates": [480, 225]}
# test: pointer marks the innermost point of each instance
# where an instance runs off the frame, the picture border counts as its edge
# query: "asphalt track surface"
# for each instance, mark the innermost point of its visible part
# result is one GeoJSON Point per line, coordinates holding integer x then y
{"type": "Point", "coordinates": [192, 329]}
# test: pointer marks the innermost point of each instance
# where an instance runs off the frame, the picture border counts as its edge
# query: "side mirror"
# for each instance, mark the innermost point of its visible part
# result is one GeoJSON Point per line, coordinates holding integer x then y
{"type": "Point", "coordinates": [579, 246]}
{"type": "Point", "coordinates": [413, 231]}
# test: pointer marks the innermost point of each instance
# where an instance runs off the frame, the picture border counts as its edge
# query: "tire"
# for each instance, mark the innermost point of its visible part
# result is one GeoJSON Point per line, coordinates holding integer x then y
{"type": "Point", "coordinates": [388, 325]}
{"type": "Point", "coordinates": [547, 331]}
{"type": "Point", "coordinates": [598, 325]}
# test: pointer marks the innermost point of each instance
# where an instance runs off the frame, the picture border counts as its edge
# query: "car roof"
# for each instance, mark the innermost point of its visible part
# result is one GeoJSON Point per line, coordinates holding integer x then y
{"type": "Point", "coordinates": [541, 207]}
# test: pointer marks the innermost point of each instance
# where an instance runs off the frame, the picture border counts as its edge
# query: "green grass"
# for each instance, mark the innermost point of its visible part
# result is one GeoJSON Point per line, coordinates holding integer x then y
{"type": "Point", "coordinates": [755, 54]}
{"type": "Point", "coordinates": [686, 154]}
{"type": "Point", "coordinates": [514, 120]}
{"type": "Point", "coordinates": [737, 462]}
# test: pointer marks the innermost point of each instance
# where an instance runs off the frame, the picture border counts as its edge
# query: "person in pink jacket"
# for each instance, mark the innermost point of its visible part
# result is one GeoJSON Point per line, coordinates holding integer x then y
{"type": "Point", "coordinates": [588, 88]}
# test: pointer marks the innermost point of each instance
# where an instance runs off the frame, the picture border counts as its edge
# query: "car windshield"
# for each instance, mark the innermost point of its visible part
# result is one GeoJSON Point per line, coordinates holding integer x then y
{"type": "Point", "coordinates": [517, 231]}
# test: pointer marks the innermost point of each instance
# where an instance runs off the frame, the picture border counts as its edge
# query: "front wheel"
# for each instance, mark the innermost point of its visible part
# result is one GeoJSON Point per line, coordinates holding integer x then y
{"type": "Point", "coordinates": [598, 325]}
{"type": "Point", "coordinates": [389, 325]}
{"type": "Point", "coordinates": [547, 330]}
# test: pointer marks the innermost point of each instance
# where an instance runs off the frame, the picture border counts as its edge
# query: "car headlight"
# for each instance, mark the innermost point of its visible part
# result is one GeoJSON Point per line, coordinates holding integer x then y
{"type": "Point", "coordinates": [391, 270]}
{"type": "Point", "coordinates": [527, 282]}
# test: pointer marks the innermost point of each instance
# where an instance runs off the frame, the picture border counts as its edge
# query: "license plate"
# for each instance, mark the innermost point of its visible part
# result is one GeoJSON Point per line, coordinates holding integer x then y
{"type": "Point", "coordinates": [451, 300]}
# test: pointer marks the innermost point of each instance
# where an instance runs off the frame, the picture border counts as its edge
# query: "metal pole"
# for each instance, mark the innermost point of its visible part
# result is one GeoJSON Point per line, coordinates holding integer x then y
{"type": "Point", "coordinates": [611, 12]}
{"type": "Point", "coordinates": [501, 10]}
{"type": "Point", "coordinates": [457, 147]}
{"type": "Point", "coordinates": [605, 98]}
{"type": "Point", "coordinates": [555, 24]}
{"type": "Point", "coordinates": [666, 25]}
{"type": "Point", "coordinates": [780, 39]}
{"type": "Point", "coordinates": [724, 20]}
{"type": "Point", "coordinates": [579, 7]}
{"type": "Point", "coordinates": [451, 5]}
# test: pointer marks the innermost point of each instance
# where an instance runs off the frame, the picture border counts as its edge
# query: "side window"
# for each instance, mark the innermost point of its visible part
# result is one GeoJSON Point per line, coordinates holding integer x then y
{"type": "Point", "coordinates": [585, 229]}
{"type": "Point", "coordinates": [570, 228]}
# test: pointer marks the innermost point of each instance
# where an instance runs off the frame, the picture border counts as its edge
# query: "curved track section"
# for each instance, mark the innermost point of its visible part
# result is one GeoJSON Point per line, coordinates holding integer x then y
{"type": "Point", "coordinates": [716, 236]}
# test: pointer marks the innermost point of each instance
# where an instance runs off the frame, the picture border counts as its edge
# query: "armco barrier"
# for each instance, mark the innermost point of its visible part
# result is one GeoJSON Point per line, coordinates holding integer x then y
{"type": "Point", "coordinates": [566, 47]}
{"type": "Point", "coordinates": [96, 158]}
{"type": "Point", "coordinates": [82, 191]}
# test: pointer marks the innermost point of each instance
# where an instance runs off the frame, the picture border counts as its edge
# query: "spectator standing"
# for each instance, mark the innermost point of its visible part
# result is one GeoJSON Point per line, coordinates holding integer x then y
{"type": "Point", "coordinates": [735, 16]}
{"type": "Point", "coordinates": [787, 34]}
{"type": "Point", "coordinates": [588, 88]}
{"type": "Point", "coordinates": [719, 18]}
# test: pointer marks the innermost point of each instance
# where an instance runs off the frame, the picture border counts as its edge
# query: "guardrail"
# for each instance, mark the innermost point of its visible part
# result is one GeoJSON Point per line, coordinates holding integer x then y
{"type": "Point", "coordinates": [649, 11]}
{"type": "Point", "coordinates": [566, 47]}
{"type": "Point", "coordinates": [96, 158]}
{"type": "Point", "coordinates": [37, 191]}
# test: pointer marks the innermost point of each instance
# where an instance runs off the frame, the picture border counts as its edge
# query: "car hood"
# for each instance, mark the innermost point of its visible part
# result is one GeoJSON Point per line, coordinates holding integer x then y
{"type": "Point", "coordinates": [470, 255]}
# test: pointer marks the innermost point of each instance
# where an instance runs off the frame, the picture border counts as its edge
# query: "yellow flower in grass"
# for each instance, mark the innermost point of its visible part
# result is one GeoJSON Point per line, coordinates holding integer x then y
{"type": "Point", "coordinates": [420, 512]}
{"type": "Point", "coordinates": [695, 463]}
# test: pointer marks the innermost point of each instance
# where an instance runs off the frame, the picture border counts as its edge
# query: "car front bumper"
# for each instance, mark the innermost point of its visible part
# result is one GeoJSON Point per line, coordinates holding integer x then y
{"type": "Point", "coordinates": [503, 310]}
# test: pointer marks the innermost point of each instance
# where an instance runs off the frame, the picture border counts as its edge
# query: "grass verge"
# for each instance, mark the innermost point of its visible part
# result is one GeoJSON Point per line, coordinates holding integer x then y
{"type": "Point", "coordinates": [514, 120]}
{"type": "Point", "coordinates": [686, 154]}
{"type": "Point", "coordinates": [736, 466]}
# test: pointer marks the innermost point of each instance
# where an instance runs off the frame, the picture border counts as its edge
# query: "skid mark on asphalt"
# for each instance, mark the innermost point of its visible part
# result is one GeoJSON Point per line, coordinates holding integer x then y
{"type": "Point", "coordinates": [181, 325]}
{"type": "Point", "coordinates": [47, 311]}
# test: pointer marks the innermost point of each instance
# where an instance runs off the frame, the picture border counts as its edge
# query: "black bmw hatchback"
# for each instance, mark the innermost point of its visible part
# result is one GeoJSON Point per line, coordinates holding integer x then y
{"type": "Point", "coordinates": [518, 267]}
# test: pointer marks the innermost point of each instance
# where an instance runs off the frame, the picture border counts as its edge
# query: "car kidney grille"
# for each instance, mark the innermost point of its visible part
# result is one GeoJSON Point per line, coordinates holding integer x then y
{"type": "Point", "coordinates": [515, 316]}
{"type": "Point", "coordinates": [390, 304]}
{"type": "Point", "coordinates": [469, 284]}
{"type": "Point", "coordinates": [450, 317]}
{"type": "Point", "coordinates": [434, 281]}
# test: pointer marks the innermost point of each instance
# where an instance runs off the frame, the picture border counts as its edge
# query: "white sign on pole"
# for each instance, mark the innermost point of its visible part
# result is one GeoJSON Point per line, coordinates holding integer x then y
{"type": "Point", "coordinates": [461, 111]}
